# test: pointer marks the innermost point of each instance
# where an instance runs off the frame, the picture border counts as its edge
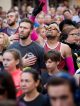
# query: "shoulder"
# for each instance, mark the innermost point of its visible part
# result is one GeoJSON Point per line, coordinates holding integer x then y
{"type": "Point", "coordinates": [20, 101]}
{"type": "Point", "coordinates": [66, 50]}
{"type": "Point", "coordinates": [37, 44]}
{"type": "Point", "coordinates": [44, 74]}
{"type": "Point", "coordinates": [43, 98]}
{"type": "Point", "coordinates": [14, 45]}
{"type": "Point", "coordinates": [65, 47]}
{"type": "Point", "coordinates": [38, 47]}
{"type": "Point", "coordinates": [20, 98]}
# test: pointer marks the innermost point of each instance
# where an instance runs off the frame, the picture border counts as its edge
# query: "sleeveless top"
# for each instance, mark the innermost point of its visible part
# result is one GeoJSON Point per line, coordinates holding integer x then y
{"type": "Point", "coordinates": [62, 63]}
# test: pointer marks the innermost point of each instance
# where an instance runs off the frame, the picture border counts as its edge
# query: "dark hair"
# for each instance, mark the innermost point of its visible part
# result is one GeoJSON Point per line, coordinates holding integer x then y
{"type": "Point", "coordinates": [56, 81]}
{"type": "Point", "coordinates": [27, 21]}
{"type": "Point", "coordinates": [34, 73]}
{"type": "Point", "coordinates": [67, 11]}
{"type": "Point", "coordinates": [11, 11]}
{"type": "Point", "coordinates": [63, 78]}
{"type": "Point", "coordinates": [7, 85]}
{"type": "Point", "coordinates": [36, 76]}
{"type": "Point", "coordinates": [53, 55]}
{"type": "Point", "coordinates": [54, 23]}
{"type": "Point", "coordinates": [66, 22]}
{"type": "Point", "coordinates": [17, 55]}
{"type": "Point", "coordinates": [65, 33]}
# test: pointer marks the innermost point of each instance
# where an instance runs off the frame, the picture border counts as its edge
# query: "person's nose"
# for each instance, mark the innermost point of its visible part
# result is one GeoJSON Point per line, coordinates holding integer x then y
{"type": "Point", "coordinates": [58, 103]}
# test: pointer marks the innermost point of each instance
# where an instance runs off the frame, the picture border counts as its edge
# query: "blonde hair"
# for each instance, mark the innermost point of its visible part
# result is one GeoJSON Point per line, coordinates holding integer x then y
{"type": "Point", "coordinates": [6, 41]}
{"type": "Point", "coordinates": [40, 27]}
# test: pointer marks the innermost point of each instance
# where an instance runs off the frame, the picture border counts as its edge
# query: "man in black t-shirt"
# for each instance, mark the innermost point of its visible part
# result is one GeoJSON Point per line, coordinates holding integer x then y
{"type": "Point", "coordinates": [32, 53]}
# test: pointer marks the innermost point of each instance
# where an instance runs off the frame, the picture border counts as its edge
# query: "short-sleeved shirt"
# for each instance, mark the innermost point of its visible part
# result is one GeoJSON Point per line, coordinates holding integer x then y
{"type": "Point", "coordinates": [41, 100]}
{"type": "Point", "coordinates": [34, 49]}
{"type": "Point", "coordinates": [10, 31]}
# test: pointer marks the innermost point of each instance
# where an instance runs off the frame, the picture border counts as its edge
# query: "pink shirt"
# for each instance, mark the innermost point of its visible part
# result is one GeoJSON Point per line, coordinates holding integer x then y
{"type": "Point", "coordinates": [16, 78]}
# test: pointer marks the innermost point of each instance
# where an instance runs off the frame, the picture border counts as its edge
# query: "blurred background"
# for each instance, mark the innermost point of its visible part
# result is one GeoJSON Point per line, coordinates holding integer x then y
{"type": "Point", "coordinates": [7, 4]}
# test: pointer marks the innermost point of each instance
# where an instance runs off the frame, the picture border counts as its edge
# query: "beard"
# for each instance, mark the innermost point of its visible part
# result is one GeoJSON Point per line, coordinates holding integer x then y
{"type": "Point", "coordinates": [50, 37]}
{"type": "Point", "coordinates": [22, 37]}
{"type": "Point", "coordinates": [12, 23]}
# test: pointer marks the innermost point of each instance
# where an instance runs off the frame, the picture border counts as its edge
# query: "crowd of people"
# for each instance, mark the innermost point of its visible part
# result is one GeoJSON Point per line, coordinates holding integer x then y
{"type": "Point", "coordinates": [40, 56]}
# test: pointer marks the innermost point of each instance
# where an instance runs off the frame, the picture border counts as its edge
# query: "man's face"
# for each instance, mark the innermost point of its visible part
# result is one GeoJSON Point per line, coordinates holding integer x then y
{"type": "Point", "coordinates": [24, 30]}
{"type": "Point", "coordinates": [67, 15]}
{"type": "Point", "coordinates": [11, 18]}
{"type": "Point", "coordinates": [60, 95]}
{"type": "Point", "coordinates": [52, 32]}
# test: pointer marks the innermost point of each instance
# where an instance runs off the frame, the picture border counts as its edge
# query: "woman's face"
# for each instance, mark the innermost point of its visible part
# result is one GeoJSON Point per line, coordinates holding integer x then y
{"type": "Point", "coordinates": [9, 62]}
{"type": "Point", "coordinates": [27, 83]}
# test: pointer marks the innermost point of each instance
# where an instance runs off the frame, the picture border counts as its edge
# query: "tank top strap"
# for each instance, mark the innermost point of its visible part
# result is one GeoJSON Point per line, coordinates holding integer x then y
{"type": "Point", "coordinates": [46, 48]}
{"type": "Point", "coordinates": [58, 46]}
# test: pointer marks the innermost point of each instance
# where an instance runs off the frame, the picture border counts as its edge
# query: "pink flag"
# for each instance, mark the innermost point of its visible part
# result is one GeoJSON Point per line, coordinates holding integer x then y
{"type": "Point", "coordinates": [45, 7]}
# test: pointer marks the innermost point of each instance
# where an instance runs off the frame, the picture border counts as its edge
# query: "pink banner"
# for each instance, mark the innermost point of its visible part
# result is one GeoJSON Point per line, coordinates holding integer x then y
{"type": "Point", "coordinates": [45, 7]}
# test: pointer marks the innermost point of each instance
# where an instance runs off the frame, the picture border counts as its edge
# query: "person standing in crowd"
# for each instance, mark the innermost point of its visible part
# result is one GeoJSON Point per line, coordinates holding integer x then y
{"type": "Point", "coordinates": [34, 35]}
{"type": "Point", "coordinates": [68, 14]}
{"type": "Point", "coordinates": [4, 43]}
{"type": "Point", "coordinates": [65, 23]}
{"type": "Point", "coordinates": [30, 83]}
{"type": "Point", "coordinates": [8, 90]}
{"type": "Point", "coordinates": [7, 87]}
{"type": "Point", "coordinates": [32, 53]}
{"type": "Point", "coordinates": [70, 36]}
{"type": "Point", "coordinates": [12, 63]}
{"type": "Point", "coordinates": [77, 74]}
{"type": "Point", "coordinates": [63, 90]}
{"type": "Point", "coordinates": [53, 43]}
{"type": "Point", "coordinates": [52, 59]}
{"type": "Point", "coordinates": [41, 31]}
{"type": "Point", "coordinates": [12, 27]}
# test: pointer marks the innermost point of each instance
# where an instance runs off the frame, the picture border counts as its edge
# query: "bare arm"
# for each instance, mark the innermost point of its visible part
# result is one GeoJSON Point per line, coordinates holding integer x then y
{"type": "Point", "coordinates": [68, 59]}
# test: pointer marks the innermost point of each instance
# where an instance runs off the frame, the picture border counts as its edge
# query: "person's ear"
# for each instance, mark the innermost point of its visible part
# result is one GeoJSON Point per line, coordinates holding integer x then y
{"type": "Point", "coordinates": [58, 62]}
{"type": "Point", "coordinates": [37, 83]}
{"type": "Point", "coordinates": [17, 62]}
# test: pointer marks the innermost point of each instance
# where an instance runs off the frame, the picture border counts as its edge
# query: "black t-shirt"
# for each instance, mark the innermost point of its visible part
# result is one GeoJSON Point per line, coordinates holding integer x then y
{"type": "Point", "coordinates": [45, 77]}
{"type": "Point", "coordinates": [41, 100]}
{"type": "Point", "coordinates": [34, 49]}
